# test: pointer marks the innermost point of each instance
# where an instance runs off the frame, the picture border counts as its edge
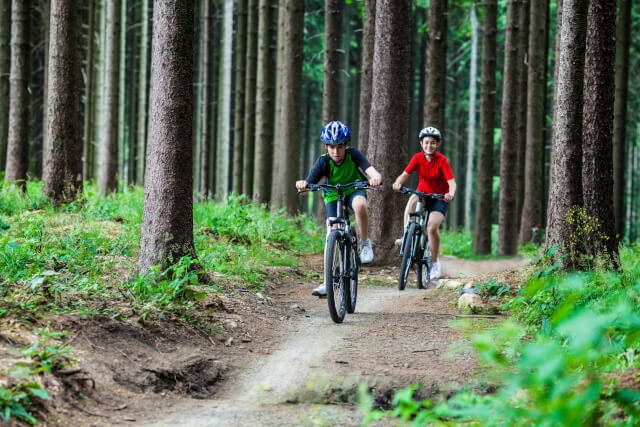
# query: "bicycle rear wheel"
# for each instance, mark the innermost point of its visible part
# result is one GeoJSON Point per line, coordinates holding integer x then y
{"type": "Point", "coordinates": [335, 275]}
{"type": "Point", "coordinates": [352, 270]}
{"type": "Point", "coordinates": [407, 255]}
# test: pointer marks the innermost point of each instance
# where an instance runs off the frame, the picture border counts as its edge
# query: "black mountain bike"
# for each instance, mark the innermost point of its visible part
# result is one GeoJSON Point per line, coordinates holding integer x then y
{"type": "Point", "coordinates": [341, 262]}
{"type": "Point", "coordinates": [415, 252]}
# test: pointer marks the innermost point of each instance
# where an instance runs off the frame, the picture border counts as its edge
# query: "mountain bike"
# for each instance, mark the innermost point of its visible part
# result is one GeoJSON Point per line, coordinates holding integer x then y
{"type": "Point", "coordinates": [341, 262]}
{"type": "Point", "coordinates": [415, 252]}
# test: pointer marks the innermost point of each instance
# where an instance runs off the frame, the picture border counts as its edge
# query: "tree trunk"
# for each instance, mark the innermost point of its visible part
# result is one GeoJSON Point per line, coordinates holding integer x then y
{"type": "Point", "coordinates": [122, 104]}
{"type": "Point", "coordinates": [331, 76]}
{"type": "Point", "coordinates": [17, 144]}
{"type": "Point", "coordinates": [286, 165]}
{"type": "Point", "coordinates": [89, 89]}
{"type": "Point", "coordinates": [344, 75]}
{"type": "Point", "coordinates": [536, 83]}
{"type": "Point", "coordinates": [134, 32]}
{"type": "Point", "coordinates": [238, 121]}
{"type": "Point", "coordinates": [471, 132]}
{"type": "Point", "coordinates": [434, 99]}
{"type": "Point", "coordinates": [566, 182]}
{"type": "Point", "coordinates": [250, 99]}
{"type": "Point", "coordinates": [331, 61]}
{"type": "Point", "coordinates": [167, 219]}
{"type": "Point", "coordinates": [207, 71]}
{"type": "Point", "coordinates": [556, 66]}
{"type": "Point", "coordinates": [597, 126]}
{"type": "Point", "coordinates": [620, 111]}
{"type": "Point", "coordinates": [108, 179]}
{"type": "Point", "coordinates": [368, 41]}
{"type": "Point", "coordinates": [223, 148]}
{"type": "Point", "coordinates": [143, 81]}
{"type": "Point", "coordinates": [507, 233]}
{"type": "Point", "coordinates": [5, 64]}
{"type": "Point", "coordinates": [484, 178]}
{"type": "Point", "coordinates": [389, 119]}
{"type": "Point", "coordinates": [264, 104]}
{"type": "Point", "coordinates": [63, 170]}
{"type": "Point", "coordinates": [523, 43]}
{"type": "Point", "coordinates": [45, 83]}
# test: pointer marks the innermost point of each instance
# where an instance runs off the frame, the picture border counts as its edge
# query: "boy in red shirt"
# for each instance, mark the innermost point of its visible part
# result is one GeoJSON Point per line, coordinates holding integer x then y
{"type": "Point", "coordinates": [434, 176]}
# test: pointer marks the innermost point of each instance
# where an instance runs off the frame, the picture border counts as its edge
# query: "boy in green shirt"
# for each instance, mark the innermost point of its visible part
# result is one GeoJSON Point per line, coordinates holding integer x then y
{"type": "Point", "coordinates": [343, 165]}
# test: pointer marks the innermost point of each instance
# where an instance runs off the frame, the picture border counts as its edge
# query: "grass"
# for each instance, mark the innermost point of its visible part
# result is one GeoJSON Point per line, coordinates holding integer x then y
{"type": "Point", "coordinates": [59, 259]}
{"type": "Point", "coordinates": [459, 243]}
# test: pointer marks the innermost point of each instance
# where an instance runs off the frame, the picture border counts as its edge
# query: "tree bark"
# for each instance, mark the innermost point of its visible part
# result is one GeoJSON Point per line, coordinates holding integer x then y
{"type": "Point", "coordinates": [471, 126]}
{"type": "Point", "coordinates": [223, 146]}
{"type": "Point", "coordinates": [108, 179]}
{"type": "Point", "coordinates": [389, 119]}
{"type": "Point", "coordinates": [523, 43]}
{"type": "Point", "coordinates": [566, 182]}
{"type": "Point", "coordinates": [620, 111]}
{"type": "Point", "coordinates": [597, 126]}
{"type": "Point", "coordinates": [264, 104]}
{"type": "Point", "coordinates": [366, 77]}
{"type": "Point", "coordinates": [238, 128]}
{"type": "Point", "coordinates": [250, 99]}
{"type": "Point", "coordinates": [17, 144]}
{"type": "Point", "coordinates": [507, 233]}
{"type": "Point", "coordinates": [207, 71]}
{"type": "Point", "coordinates": [331, 61]}
{"type": "Point", "coordinates": [536, 82]}
{"type": "Point", "coordinates": [434, 99]}
{"type": "Point", "coordinates": [286, 165]}
{"type": "Point", "coordinates": [167, 219]}
{"type": "Point", "coordinates": [143, 81]}
{"type": "Point", "coordinates": [63, 170]}
{"type": "Point", "coordinates": [122, 90]}
{"type": "Point", "coordinates": [5, 64]}
{"type": "Point", "coordinates": [484, 177]}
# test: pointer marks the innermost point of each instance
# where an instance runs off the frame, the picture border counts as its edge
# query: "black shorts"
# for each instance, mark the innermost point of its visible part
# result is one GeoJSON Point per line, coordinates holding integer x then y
{"type": "Point", "coordinates": [439, 205]}
{"type": "Point", "coordinates": [332, 207]}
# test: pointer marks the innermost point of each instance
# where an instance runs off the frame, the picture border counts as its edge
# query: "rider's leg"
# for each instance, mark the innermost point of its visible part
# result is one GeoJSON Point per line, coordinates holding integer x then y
{"type": "Point", "coordinates": [411, 207]}
{"type": "Point", "coordinates": [359, 206]}
{"type": "Point", "coordinates": [435, 219]}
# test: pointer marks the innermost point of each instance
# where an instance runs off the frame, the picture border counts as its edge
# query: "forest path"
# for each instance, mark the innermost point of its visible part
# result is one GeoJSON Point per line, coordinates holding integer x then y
{"type": "Point", "coordinates": [392, 340]}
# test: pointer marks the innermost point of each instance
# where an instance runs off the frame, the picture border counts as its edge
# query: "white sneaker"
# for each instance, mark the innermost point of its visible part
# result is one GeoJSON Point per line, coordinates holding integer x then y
{"type": "Point", "coordinates": [398, 242]}
{"type": "Point", "coordinates": [436, 271]}
{"type": "Point", "coordinates": [366, 252]}
{"type": "Point", "coordinates": [320, 291]}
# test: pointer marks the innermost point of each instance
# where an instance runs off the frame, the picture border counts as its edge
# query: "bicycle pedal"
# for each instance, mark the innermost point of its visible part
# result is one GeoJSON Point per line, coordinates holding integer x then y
{"type": "Point", "coordinates": [322, 297]}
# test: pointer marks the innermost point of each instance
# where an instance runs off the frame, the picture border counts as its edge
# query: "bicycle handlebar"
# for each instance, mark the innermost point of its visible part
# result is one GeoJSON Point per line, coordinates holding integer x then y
{"type": "Point", "coordinates": [406, 190]}
{"type": "Point", "coordinates": [360, 185]}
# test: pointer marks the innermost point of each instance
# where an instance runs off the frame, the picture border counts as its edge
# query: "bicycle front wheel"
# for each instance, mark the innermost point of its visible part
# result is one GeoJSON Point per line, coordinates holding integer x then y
{"type": "Point", "coordinates": [335, 276]}
{"type": "Point", "coordinates": [407, 256]}
{"type": "Point", "coordinates": [353, 278]}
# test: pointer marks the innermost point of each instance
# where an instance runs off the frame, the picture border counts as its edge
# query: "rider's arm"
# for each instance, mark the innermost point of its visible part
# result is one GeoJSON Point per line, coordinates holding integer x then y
{"type": "Point", "coordinates": [400, 180]}
{"type": "Point", "coordinates": [374, 176]}
{"type": "Point", "coordinates": [452, 189]}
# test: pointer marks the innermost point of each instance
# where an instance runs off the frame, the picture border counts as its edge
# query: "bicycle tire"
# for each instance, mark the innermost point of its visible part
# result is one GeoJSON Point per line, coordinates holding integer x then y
{"type": "Point", "coordinates": [408, 247]}
{"type": "Point", "coordinates": [334, 276]}
{"type": "Point", "coordinates": [353, 266]}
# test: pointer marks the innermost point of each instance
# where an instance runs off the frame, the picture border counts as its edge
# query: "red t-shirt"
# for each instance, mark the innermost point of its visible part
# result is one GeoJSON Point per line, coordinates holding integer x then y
{"type": "Point", "coordinates": [432, 175]}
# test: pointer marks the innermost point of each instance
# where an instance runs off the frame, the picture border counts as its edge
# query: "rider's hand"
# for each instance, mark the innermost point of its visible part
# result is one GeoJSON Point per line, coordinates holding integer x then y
{"type": "Point", "coordinates": [396, 186]}
{"type": "Point", "coordinates": [448, 197]}
{"type": "Point", "coordinates": [375, 179]}
{"type": "Point", "coordinates": [301, 185]}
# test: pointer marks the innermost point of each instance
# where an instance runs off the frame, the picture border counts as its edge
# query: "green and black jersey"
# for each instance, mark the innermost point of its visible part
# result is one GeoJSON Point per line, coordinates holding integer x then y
{"type": "Point", "coordinates": [351, 169]}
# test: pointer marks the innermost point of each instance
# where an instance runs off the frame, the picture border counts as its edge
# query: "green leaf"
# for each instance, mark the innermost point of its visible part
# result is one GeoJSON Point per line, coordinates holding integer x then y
{"type": "Point", "coordinates": [39, 393]}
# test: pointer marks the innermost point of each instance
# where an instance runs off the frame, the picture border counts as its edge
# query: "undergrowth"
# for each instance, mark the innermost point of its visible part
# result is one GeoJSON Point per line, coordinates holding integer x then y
{"type": "Point", "coordinates": [59, 259]}
{"type": "Point", "coordinates": [569, 355]}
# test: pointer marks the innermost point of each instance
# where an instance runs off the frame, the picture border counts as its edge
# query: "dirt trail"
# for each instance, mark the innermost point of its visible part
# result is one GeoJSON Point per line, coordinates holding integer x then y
{"type": "Point", "coordinates": [394, 339]}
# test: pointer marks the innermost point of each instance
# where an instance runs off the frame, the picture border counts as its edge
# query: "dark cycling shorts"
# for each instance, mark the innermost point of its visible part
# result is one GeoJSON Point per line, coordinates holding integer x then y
{"type": "Point", "coordinates": [332, 207]}
{"type": "Point", "coordinates": [439, 205]}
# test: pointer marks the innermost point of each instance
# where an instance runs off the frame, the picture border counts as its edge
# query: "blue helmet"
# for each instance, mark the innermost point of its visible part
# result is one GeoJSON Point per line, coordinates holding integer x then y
{"type": "Point", "coordinates": [430, 131]}
{"type": "Point", "coordinates": [335, 133]}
